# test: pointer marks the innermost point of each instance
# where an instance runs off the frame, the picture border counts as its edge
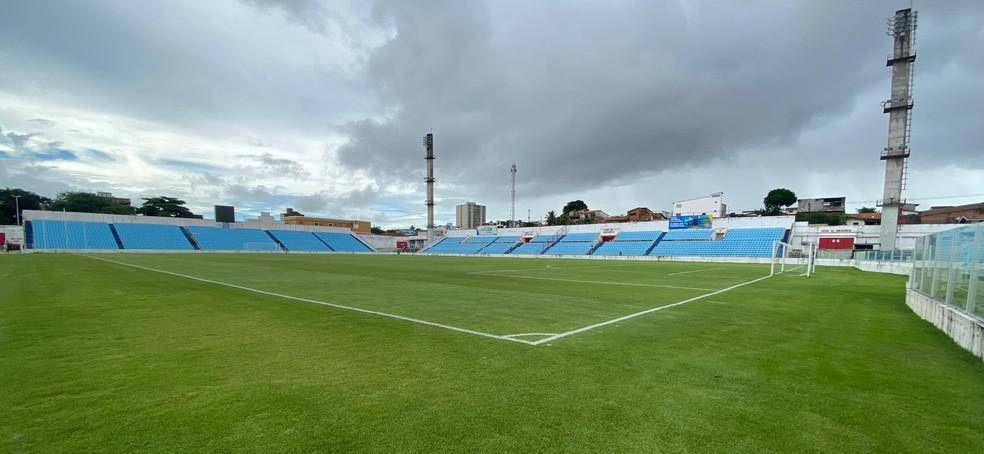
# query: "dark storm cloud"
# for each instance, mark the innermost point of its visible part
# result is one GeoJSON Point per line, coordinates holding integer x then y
{"type": "Point", "coordinates": [211, 67]}
{"type": "Point", "coordinates": [585, 94]}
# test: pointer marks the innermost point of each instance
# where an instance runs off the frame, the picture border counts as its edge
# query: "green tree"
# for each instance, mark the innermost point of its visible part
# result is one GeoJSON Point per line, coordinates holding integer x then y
{"type": "Point", "coordinates": [866, 210]}
{"type": "Point", "coordinates": [27, 201]}
{"type": "Point", "coordinates": [376, 230]}
{"type": "Point", "coordinates": [777, 199]}
{"type": "Point", "coordinates": [85, 202]}
{"type": "Point", "coordinates": [574, 205]}
{"type": "Point", "coordinates": [162, 206]}
{"type": "Point", "coordinates": [551, 217]}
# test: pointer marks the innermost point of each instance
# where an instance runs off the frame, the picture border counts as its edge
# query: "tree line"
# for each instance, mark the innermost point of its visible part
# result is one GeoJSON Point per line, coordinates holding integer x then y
{"type": "Point", "coordinates": [86, 202]}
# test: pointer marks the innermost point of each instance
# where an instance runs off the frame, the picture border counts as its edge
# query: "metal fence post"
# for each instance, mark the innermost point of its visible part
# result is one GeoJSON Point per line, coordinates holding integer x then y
{"type": "Point", "coordinates": [915, 269]}
{"type": "Point", "coordinates": [951, 275]}
{"type": "Point", "coordinates": [975, 268]}
{"type": "Point", "coordinates": [936, 268]}
{"type": "Point", "coordinates": [927, 247]}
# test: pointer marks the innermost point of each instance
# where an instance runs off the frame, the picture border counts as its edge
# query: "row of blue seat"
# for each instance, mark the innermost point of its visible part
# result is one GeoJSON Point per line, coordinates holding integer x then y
{"type": "Point", "coordinates": [747, 242]}
{"type": "Point", "coordinates": [47, 234]}
{"type": "Point", "coordinates": [73, 235]}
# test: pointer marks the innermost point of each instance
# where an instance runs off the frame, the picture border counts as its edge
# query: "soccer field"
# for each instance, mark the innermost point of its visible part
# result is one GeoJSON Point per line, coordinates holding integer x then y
{"type": "Point", "coordinates": [272, 352]}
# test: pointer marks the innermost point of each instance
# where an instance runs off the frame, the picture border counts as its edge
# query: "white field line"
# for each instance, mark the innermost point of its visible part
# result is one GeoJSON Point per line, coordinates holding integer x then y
{"type": "Point", "coordinates": [694, 271]}
{"type": "Point", "coordinates": [323, 303]}
{"type": "Point", "coordinates": [647, 311]}
{"type": "Point", "coordinates": [789, 270]}
{"type": "Point", "coordinates": [633, 284]}
{"type": "Point", "coordinates": [530, 334]}
{"type": "Point", "coordinates": [516, 270]}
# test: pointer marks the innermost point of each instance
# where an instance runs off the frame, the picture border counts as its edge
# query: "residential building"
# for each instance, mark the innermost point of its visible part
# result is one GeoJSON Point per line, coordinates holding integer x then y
{"type": "Point", "coordinates": [821, 205]}
{"type": "Point", "coordinates": [469, 215]}
{"type": "Point", "coordinates": [960, 214]}
{"type": "Point", "coordinates": [712, 205]}
{"type": "Point", "coordinates": [587, 216]}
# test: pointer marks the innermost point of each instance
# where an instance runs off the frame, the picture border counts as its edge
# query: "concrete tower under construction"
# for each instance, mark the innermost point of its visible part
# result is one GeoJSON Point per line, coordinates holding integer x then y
{"type": "Point", "coordinates": [429, 146]}
{"type": "Point", "coordinates": [902, 29]}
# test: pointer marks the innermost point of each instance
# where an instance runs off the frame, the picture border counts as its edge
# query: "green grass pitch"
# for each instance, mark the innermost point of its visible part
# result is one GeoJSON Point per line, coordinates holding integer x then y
{"type": "Point", "coordinates": [98, 356]}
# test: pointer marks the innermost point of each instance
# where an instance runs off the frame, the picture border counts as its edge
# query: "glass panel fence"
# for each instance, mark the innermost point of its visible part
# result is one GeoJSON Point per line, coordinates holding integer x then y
{"type": "Point", "coordinates": [948, 266]}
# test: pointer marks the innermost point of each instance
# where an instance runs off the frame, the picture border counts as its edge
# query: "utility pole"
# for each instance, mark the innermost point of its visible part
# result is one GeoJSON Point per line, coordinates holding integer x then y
{"type": "Point", "coordinates": [17, 207]}
{"type": "Point", "coordinates": [512, 213]}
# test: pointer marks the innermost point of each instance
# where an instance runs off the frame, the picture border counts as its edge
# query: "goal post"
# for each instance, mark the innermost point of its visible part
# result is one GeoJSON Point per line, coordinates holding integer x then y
{"type": "Point", "coordinates": [788, 258]}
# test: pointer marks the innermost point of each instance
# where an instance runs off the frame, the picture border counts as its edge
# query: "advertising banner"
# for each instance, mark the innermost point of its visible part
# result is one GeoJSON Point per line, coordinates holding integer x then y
{"type": "Point", "coordinates": [487, 230]}
{"type": "Point", "coordinates": [701, 221]}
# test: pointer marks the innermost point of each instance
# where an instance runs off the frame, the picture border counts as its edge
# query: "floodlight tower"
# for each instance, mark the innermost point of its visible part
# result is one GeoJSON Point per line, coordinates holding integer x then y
{"type": "Point", "coordinates": [512, 213]}
{"type": "Point", "coordinates": [429, 146]}
{"type": "Point", "coordinates": [902, 29]}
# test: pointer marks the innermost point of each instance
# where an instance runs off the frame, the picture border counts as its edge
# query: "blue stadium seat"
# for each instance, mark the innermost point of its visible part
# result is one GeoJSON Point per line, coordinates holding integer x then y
{"type": "Point", "coordinates": [746, 242]}
{"type": "Point", "coordinates": [343, 242]}
{"type": "Point", "coordinates": [530, 249]}
{"type": "Point", "coordinates": [72, 235]}
{"type": "Point", "coordinates": [623, 248]}
{"type": "Point", "coordinates": [452, 246]}
{"type": "Point", "coordinates": [688, 234]}
{"type": "Point", "coordinates": [480, 240]}
{"type": "Point", "coordinates": [651, 235]}
{"type": "Point", "coordinates": [571, 237]}
{"type": "Point", "coordinates": [570, 248]}
{"type": "Point", "coordinates": [159, 237]}
{"type": "Point", "coordinates": [295, 240]}
{"type": "Point", "coordinates": [221, 239]}
{"type": "Point", "coordinates": [546, 238]}
{"type": "Point", "coordinates": [496, 248]}
{"type": "Point", "coordinates": [507, 239]}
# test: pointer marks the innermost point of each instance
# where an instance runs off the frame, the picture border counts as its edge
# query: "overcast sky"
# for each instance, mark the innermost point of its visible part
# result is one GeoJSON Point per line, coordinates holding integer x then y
{"type": "Point", "coordinates": [320, 106]}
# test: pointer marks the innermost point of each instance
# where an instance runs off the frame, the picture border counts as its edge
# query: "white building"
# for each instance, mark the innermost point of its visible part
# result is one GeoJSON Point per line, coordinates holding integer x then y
{"type": "Point", "coordinates": [469, 215]}
{"type": "Point", "coordinates": [712, 205]}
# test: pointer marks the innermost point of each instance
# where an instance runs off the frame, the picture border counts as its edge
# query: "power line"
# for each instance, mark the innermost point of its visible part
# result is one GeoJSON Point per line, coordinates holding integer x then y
{"type": "Point", "coordinates": [922, 199]}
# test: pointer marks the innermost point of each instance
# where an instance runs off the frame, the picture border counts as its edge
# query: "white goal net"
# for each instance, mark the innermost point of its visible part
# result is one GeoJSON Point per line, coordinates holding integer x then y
{"type": "Point", "coordinates": [798, 260]}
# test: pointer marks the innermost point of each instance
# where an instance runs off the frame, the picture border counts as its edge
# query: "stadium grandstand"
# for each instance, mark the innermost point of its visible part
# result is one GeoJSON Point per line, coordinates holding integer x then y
{"type": "Point", "coordinates": [79, 232]}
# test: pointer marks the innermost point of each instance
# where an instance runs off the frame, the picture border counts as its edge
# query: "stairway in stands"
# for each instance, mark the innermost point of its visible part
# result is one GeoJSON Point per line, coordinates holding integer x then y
{"type": "Point", "coordinates": [191, 238]}
{"type": "Point", "coordinates": [559, 235]}
{"type": "Point", "coordinates": [116, 236]}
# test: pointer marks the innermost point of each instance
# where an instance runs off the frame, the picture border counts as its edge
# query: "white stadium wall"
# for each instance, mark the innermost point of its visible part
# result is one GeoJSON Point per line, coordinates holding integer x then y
{"type": "Point", "coordinates": [13, 234]}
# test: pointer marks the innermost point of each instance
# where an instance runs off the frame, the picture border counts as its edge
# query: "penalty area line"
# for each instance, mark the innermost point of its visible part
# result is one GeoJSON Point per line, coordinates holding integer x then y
{"type": "Point", "coordinates": [640, 313]}
{"type": "Point", "coordinates": [579, 281]}
{"type": "Point", "coordinates": [322, 303]}
{"type": "Point", "coordinates": [694, 271]}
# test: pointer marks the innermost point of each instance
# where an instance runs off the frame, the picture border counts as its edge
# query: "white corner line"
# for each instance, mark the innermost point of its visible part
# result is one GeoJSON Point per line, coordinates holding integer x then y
{"type": "Point", "coordinates": [694, 271]}
{"type": "Point", "coordinates": [647, 311]}
{"type": "Point", "coordinates": [322, 303]}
